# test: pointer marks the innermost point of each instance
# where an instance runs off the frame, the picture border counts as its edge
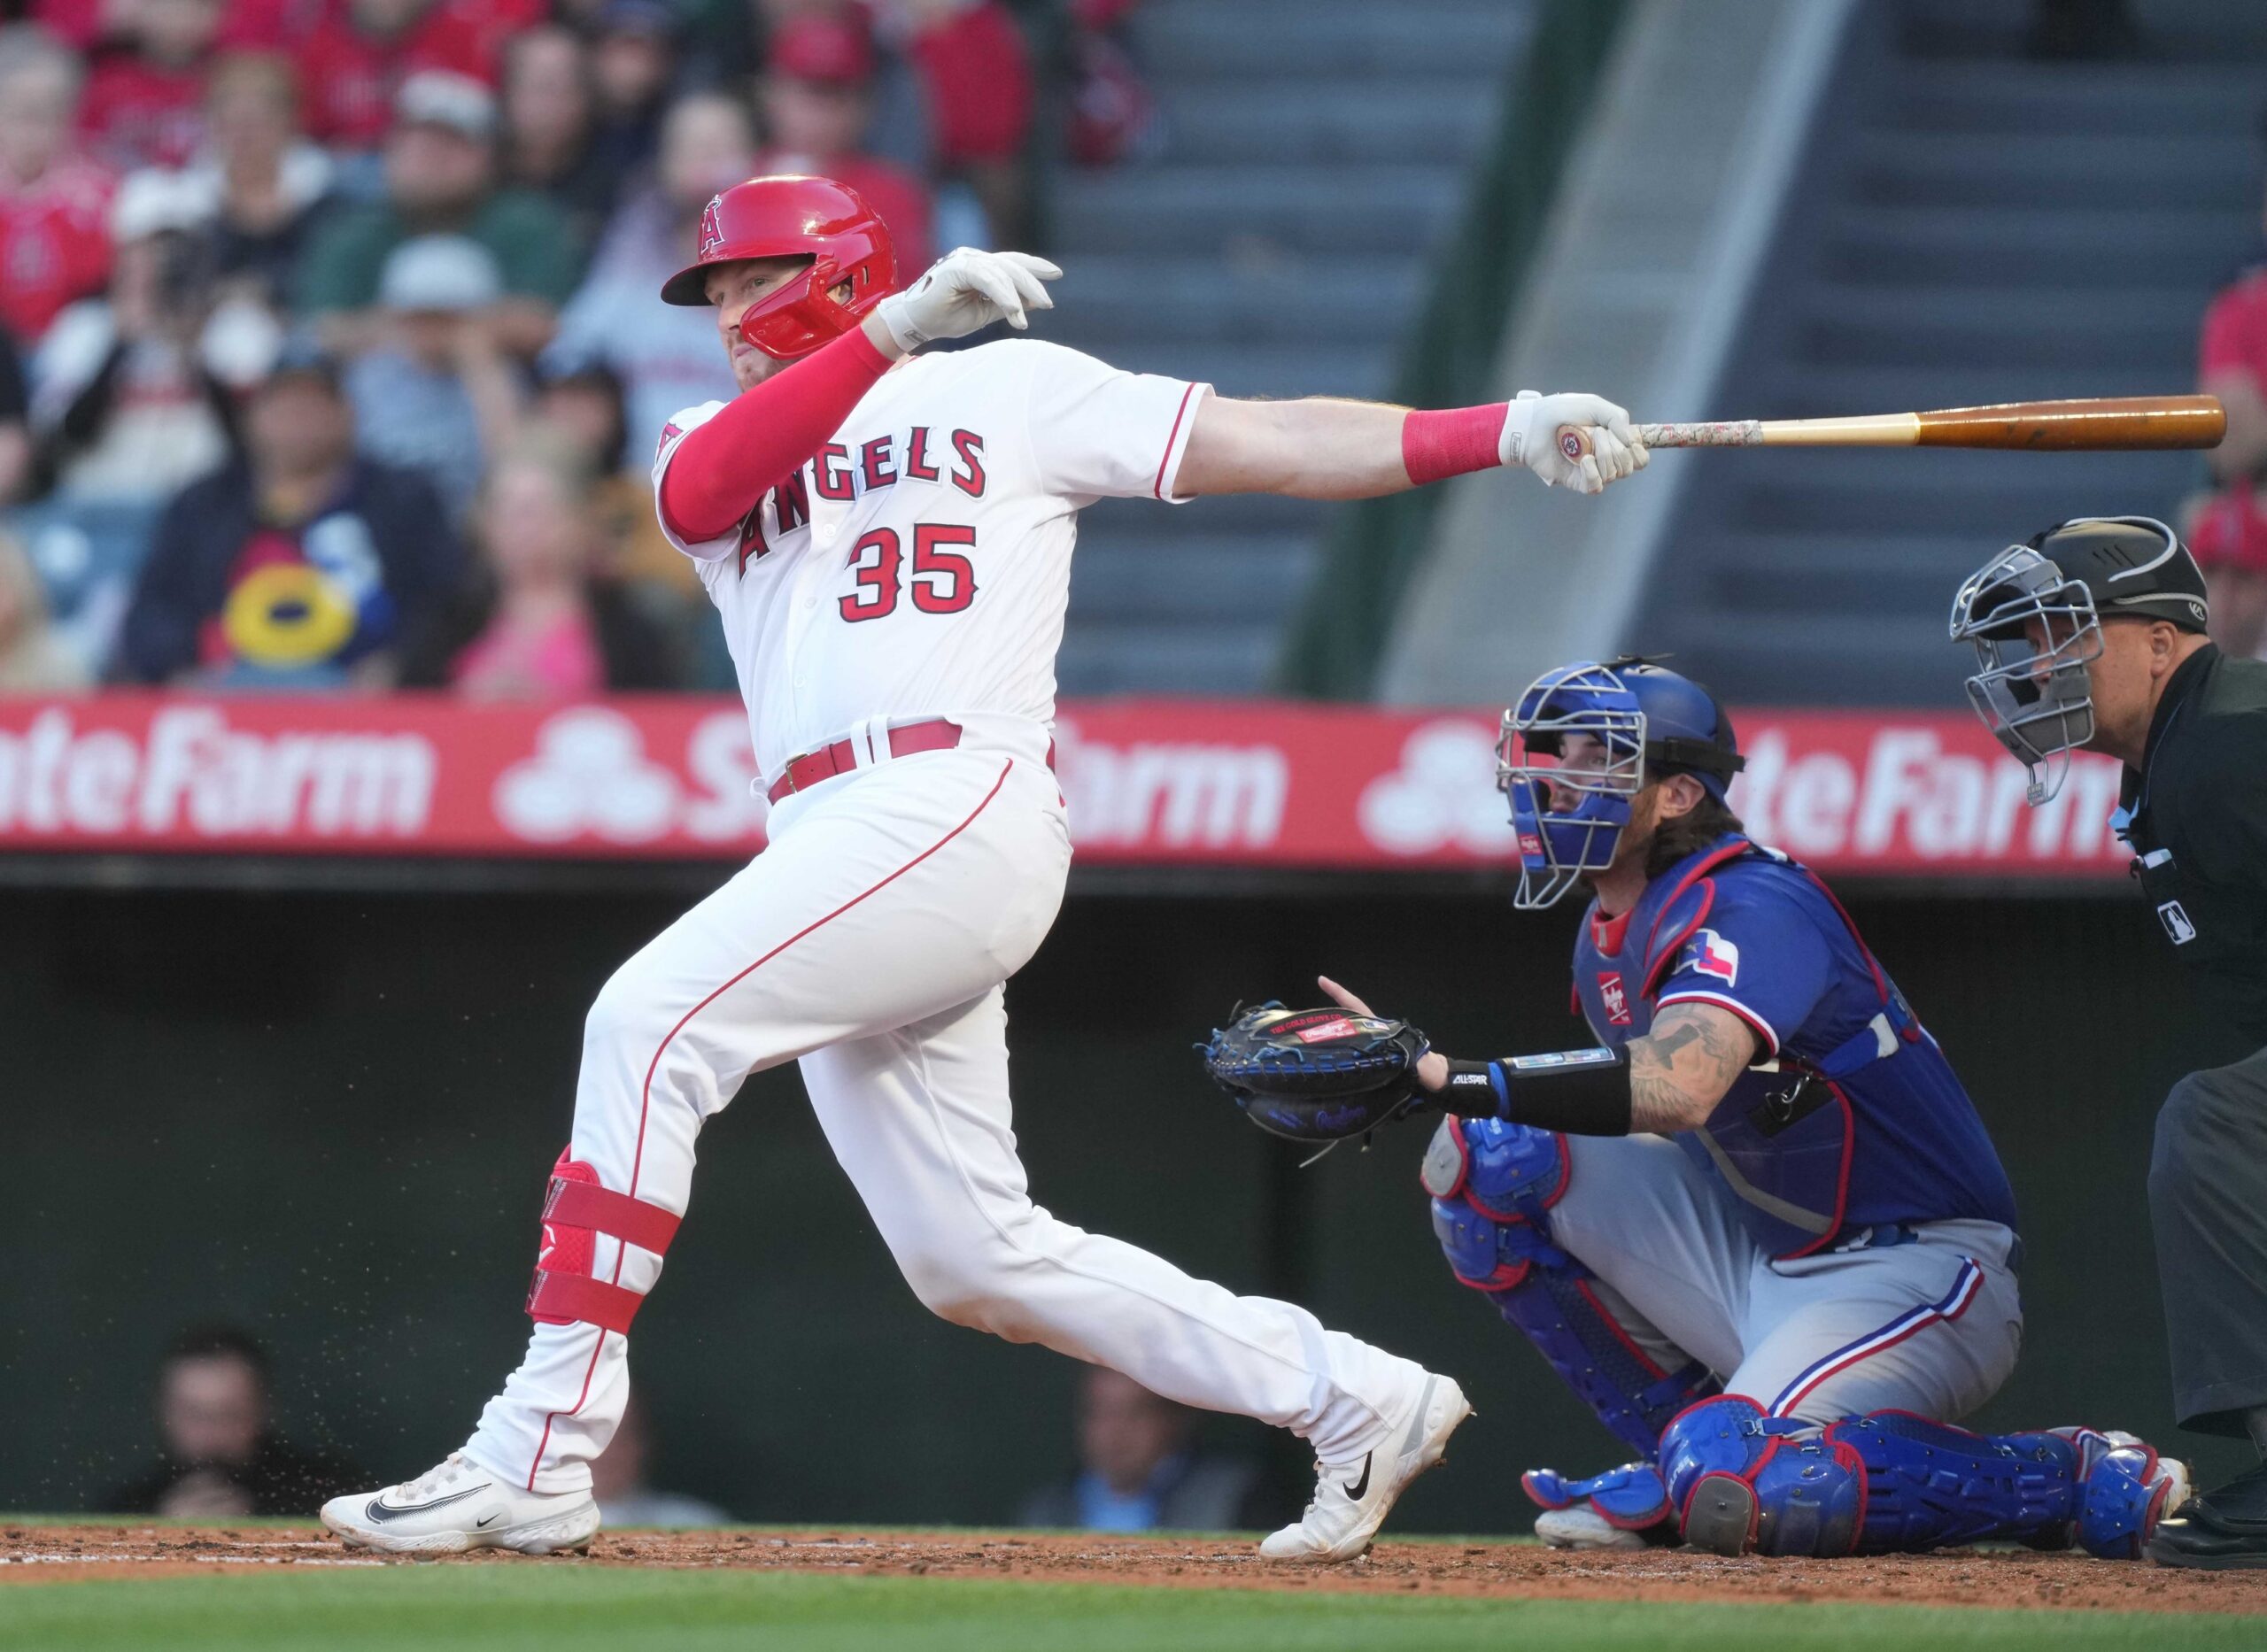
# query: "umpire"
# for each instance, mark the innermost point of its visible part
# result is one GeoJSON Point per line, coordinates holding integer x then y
{"type": "Point", "coordinates": [2091, 637]}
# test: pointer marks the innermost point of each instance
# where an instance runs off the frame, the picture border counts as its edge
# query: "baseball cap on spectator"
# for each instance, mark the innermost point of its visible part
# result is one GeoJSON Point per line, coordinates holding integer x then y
{"type": "Point", "coordinates": [152, 202]}
{"type": "Point", "coordinates": [439, 273]}
{"type": "Point", "coordinates": [651, 18]}
{"type": "Point", "coordinates": [2230, 531]}
{"type": "Point", "coordinates": [454, 103]}
{"type": "Point", "coordinates": [302, 359]}
{"type": "Point", "coordinates": [818, 46]}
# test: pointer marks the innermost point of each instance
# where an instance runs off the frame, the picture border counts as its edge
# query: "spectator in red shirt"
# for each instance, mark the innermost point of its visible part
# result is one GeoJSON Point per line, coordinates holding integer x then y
{"type": "Point", "coordinates": [145, 105]}
{"type": "Point", "coordinates": [975, 75]}
{"type": "Point", "coordinates": [816, 104]}
{"type": "Point", "coordinates": [353, 63]}
{"type": "Point", "coordinates": [2232, 365]}
{"type": "Point", "coordinates": [53, 243]}
{"type": "Point", "coordinates": [2228, 535]}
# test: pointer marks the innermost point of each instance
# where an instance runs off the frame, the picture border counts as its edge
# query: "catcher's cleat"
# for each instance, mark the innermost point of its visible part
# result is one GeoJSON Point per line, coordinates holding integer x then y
{"type": "Point", "coordinates": [1351, 1499]}
{"type": "Point", "coordinates": [1580, 1525]}
{"type": "Point", "coordinates": [459, 1505]}
{"type": "Point", "coordinates": [1623, 1508]}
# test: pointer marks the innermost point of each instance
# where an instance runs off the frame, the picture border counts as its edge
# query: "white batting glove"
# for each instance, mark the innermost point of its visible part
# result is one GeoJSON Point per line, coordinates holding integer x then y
{"type": "Point", "coordinates": [964, 290]}
{"type": "Point", "coordinates": [1530, 438]}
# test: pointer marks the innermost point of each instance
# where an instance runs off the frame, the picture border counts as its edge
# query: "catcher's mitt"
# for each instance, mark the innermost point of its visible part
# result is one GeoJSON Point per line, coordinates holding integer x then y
{"type": "Point", "coordinates": [1318, 1075]}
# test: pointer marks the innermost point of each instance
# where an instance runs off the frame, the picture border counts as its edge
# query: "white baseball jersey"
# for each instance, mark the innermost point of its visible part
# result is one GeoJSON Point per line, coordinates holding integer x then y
{"type": "Point", "coordinates": [920, 565]}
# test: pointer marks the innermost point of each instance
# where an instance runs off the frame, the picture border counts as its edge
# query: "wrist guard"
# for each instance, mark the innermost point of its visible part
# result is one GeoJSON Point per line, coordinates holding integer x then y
{"type": "Point", "coordinates": [1583, 1092]}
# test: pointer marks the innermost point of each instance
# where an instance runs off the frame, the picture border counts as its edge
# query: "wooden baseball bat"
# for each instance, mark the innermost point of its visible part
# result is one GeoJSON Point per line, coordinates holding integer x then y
{"type": "Point", "coordinates": [2104, 422]}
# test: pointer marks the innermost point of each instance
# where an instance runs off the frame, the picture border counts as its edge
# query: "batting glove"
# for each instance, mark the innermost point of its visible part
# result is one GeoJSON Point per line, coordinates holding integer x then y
{"type": "Point", "coordinates": [1530, 438]}
{"type": "Point", "coordinates": [965, 291]}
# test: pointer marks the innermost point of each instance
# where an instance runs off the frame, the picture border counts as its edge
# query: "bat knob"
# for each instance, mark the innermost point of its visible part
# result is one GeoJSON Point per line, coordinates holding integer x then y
{"type": "Point", "coordinates": [1574, 444]}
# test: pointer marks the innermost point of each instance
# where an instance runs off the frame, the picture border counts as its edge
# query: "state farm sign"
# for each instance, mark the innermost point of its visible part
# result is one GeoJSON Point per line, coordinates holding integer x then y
{"type": "Point", "coordinates": [1842, 791]}
{"type": "Point", "coordinates": [1235, 784]}
{"type": "Point", "coordinates": [188, 772]}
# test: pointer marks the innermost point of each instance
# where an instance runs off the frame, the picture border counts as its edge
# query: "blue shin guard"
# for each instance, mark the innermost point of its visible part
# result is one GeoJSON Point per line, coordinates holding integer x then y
{"type": "Point", "coordinates": [1493, 1186]}
{"type": "Point", "coordinates": [1890, 1482]}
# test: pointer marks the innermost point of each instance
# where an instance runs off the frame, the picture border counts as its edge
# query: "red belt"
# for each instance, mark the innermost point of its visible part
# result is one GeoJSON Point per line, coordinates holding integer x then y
{"type": "Point", "coordinates": [937, 734]}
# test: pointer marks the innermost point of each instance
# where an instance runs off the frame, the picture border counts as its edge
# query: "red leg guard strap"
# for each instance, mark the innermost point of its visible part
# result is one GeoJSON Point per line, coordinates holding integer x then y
{"type": "Point", "coordinates": [565, 1298]}
{"type": "Point", "coordinates": [587, 1205]}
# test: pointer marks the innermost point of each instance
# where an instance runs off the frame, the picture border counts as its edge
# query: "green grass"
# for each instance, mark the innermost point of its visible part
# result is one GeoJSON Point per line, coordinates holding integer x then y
{"type": "Point", "coordinates": [509, 1608]}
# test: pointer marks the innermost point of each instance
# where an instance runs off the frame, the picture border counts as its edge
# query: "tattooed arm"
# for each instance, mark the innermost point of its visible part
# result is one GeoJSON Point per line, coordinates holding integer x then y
{"type": "Point", "coordinates": [1682, 1069]}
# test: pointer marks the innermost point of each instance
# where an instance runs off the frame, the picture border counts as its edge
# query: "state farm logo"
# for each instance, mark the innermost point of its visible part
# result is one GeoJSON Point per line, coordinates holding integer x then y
{"type": "Point", "coordinates": [1172, 794]}
{"type": "Point", "coordinates": [1443, 796]}
{"type": "Point", "coordinates": [1895, 795]}
{"type": "Point", "coordinates": [191, 772]}
{"type": "Point", "coordinates": [589, 774]}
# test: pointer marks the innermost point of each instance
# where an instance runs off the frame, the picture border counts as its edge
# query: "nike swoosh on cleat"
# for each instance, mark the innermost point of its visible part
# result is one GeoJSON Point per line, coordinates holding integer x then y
{"type": "Point", "coordinates": [380, 1512]}
{"type": "Point", "coordinates": [1361, 1485]}
{"type": "Point", "coordinates": [484, 1521]}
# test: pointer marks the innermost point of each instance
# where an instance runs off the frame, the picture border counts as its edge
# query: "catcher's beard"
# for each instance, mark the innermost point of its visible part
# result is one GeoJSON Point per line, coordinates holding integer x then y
{"type": "Point", "coordinates": [1636, 839]}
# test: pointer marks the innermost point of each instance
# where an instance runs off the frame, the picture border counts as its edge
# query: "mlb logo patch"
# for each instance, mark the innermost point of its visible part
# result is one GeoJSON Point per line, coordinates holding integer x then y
{"type": "Point", "coordinates": [1710, 954]}
{"type": "Point", "coordinates": [2175, 919]}
{"type": "Point", "coordinates": [1614, 996]}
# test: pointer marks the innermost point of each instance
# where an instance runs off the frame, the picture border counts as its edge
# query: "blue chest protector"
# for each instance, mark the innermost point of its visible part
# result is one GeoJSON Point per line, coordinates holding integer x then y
{"type": "Point", "coordinates": [1852, 1116]}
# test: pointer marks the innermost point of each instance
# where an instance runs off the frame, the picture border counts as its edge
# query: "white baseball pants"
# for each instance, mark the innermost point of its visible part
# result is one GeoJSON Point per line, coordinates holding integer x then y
{"type": "Point", "coordinates": [869, 942]}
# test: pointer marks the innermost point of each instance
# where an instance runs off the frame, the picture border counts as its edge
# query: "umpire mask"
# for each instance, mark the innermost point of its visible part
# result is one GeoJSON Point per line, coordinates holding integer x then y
{"type": "Point", "coordinates": [2034, 614]}
{"type": "Point", "coordinates": [2034, 630]}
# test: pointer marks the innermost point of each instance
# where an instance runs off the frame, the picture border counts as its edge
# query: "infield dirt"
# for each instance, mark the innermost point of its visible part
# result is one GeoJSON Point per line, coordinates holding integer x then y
{"type": "Point", "coordinates": [1974, 1578]}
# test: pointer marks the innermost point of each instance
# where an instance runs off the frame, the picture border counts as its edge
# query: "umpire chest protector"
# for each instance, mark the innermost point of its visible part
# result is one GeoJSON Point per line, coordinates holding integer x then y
{"type": "Point", "coordinates": [1849, 1117]}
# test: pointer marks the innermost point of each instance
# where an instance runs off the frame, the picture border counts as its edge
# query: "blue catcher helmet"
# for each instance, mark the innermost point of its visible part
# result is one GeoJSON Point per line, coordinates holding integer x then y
{"type": "Point", "coordinates": [1649, 723]}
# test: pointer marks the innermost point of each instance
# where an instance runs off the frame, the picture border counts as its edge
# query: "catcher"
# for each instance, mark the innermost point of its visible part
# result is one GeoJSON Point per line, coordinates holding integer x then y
{"type": "Point", "coordinates": [1760, 1228]}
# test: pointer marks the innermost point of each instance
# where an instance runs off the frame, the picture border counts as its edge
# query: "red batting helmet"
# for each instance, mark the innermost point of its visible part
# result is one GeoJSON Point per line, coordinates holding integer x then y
{"type": "Point", "coordinates": [790, 216]}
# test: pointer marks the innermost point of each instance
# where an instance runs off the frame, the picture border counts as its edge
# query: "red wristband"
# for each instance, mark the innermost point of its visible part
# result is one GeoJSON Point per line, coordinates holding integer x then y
{"type": "Point", "coordinates": [1451, 442]}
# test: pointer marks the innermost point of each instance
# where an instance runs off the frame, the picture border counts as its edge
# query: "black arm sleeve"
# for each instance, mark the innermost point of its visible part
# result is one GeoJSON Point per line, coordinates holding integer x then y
{"type": "Point", "coordinates": [1583, 1092]}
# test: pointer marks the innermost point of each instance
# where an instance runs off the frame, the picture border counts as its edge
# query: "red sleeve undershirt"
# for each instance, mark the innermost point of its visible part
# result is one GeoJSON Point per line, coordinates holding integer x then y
{"type": "Point", "coordinates": [722, 468]}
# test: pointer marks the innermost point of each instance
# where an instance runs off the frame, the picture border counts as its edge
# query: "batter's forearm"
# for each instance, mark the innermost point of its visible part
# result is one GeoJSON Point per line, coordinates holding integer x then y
{"type": "Point", "coordinates": [1319, 448]}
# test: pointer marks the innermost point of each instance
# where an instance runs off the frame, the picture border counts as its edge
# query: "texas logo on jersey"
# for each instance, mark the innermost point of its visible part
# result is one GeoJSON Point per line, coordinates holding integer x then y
{"type": "Point", "coordinates": [1708, 952]}
{"type": "Point", "coordinates": [1614, 996]}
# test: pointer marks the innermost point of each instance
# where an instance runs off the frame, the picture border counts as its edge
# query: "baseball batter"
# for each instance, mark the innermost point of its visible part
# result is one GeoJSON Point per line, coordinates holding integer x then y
{"type": "Point", "coordinates": [887, 537]}
{"type": "Point", "coordinates": [1760, 1227]}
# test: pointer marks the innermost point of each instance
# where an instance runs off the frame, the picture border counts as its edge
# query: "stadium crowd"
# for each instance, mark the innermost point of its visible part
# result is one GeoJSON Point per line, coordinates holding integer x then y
{"type": "Point", "coordinates": [2225, 525]}
{"type": "Point", "coordinates": [330, 350]}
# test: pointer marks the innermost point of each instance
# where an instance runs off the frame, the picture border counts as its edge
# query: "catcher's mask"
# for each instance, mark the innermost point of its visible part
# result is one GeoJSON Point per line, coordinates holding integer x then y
{"type": "Point", "coordinates": [1648, 722]}
{"type": "Point", "coordinates": [2034, 614]}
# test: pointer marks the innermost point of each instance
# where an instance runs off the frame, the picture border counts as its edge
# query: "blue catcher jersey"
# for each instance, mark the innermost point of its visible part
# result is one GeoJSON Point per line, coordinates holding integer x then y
{"type": "Point", "coordinates": [1853, 1117]}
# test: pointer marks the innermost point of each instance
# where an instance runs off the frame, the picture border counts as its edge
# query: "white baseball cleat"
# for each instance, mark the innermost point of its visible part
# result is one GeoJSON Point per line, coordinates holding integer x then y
{"type": "Point", "coordinates": [1351, 1499]}
{"type": "Point", "coordinates": [1582, 1526]}
{"type": "Point", "coordinates": [459, 1505]}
